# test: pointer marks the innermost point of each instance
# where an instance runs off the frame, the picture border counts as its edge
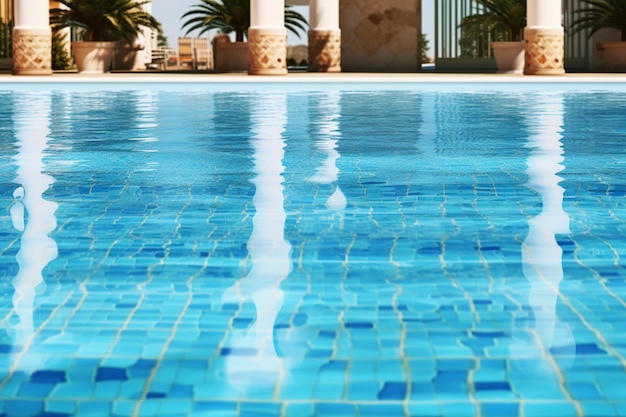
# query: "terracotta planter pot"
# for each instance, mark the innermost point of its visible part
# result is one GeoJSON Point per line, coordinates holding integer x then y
{"type": "Point", "coordinates": [129, 57]}
{"type": "Point", "coordinates": [509, 57]}
{"type": "Point", "coordinates": [230, 56]}
{"type": "Point", "coordinates": [93, 57]}
{"type": "Point", "coordinates": [615, 56]}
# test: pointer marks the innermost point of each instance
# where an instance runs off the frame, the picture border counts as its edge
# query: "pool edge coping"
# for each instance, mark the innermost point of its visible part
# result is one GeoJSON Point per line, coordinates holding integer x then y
{"type": "Point", "coordinates": [309, 78]}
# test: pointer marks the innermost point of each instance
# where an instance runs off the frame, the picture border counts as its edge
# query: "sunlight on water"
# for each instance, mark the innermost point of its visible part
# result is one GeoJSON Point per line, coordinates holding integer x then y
{"type": "Point", "coordinates": [312, 253]}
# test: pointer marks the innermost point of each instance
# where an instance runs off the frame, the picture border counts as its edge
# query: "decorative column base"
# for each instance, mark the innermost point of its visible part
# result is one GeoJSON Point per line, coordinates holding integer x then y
{"type": "Point", "coordinates": [324, 50]}
{"type": "Point", "coordinates": [32, 51]}
{"type": "Point", "coordinates": [267, 51]}
{"type": "Point", "coordinates": [544, 51]}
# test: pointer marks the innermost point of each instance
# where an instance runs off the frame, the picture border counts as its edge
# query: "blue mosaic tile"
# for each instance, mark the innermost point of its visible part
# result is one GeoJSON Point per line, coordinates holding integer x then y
{"type": "Point", "coordinates": [215, 406]}
{"type": "Point", "coordinates": [580, 349]}
{"type": "Point", "coordinates": [459, 409]}
{"type": "Point", "coordinates": [492, 386]}
{"type": "Point", "coordinates": [20, 407]}
{"type": "Point", "coordinates": [60, 407]}
{"type": "Point", "coordinates": [111, 374]}
{"type": "Point", "coordinates": [334, 409]}
{"type": "Point", "coordinates": [393, 391]}
{"type": "Point", "coordinates": [319, 353]}
{"type": "Point", "coordinates": [545, 409]}
{"type": "Point", "coordinates": [583, 391]}
{"type": "Point", "coordinates": [452, 376]}
{"type": "Point", "coordinates": [238, 352]}
{"type": "Point", "coordinates": [36, 389]}
{"type": "Point", "coordinates": [358, 325]}
{"type": "Point", "coordinates": [488, 334]}
{"type": "Point", "coordinates": [421, 277]}
{"type": "Point", "coordinates": [503, 409]}
{"type": "Point", "coordinates": [48, 376]}
{"type": "Point", "coordinates": [7, 348]}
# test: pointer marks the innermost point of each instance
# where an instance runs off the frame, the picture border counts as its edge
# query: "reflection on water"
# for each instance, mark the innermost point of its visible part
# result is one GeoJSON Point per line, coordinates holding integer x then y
{"type": "Point", "coordinates": [541, 254]}
{"type": "Point", "coordinates": [269, 252]}
{"type": "Point", "coordinates": [31, 214]}
{"type": "Point", "coordinates": [327, 127]}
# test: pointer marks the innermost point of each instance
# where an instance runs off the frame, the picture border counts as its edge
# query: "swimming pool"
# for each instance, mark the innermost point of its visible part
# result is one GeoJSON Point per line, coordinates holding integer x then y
{"type": "Point", "coordinates": [313, 251]}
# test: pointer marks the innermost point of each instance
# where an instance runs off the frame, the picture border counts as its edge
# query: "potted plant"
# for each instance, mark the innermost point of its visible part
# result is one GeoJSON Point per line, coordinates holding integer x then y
{"type": "Point", "coordinates": [507, 20]}
{"type": "Point", "coordinates": [605, 14]}
{"type": "Point", "coordinates": [227, 16]}
{"type": "Point", "coordinates": [103, 23]}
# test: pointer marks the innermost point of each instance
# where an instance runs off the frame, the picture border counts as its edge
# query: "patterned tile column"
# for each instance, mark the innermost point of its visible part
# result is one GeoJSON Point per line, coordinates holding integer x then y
{"type": "Point", "coordinates": [324, 36]}
{"type": "Point", "coordinates": [267, 53]}
{"type": "Point", "coordinates": [544, 39]}
{"type": "Point", "coordinates": [267, 38]}
{"type": "Point", "coordinates": [32, 38]}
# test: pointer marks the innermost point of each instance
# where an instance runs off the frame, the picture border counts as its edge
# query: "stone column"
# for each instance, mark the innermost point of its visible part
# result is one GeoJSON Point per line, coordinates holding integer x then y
{"type": "Point", "coordinates": [544, 38]}
{"type": "Point", "coordinates": [32, 38]}
{"type": "Point", "coordinates": [324, 36]}
{"type": "Point", "coordinates": [267, 38]}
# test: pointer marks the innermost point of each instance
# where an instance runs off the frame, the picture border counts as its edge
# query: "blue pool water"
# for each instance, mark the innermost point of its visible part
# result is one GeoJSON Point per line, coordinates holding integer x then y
{"type": "Point", "coordinates": [319, 252]}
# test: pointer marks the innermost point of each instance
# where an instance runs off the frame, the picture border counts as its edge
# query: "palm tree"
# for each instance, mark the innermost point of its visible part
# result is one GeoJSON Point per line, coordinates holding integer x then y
{"type": "Point", "coordinates": [504, 15]}
{"type": "Point", "coordinates": [104, 20]}
{"type": "Point", "coordinates": [228, 16]}
{"type": "Point", "coordinates": [602, 14]}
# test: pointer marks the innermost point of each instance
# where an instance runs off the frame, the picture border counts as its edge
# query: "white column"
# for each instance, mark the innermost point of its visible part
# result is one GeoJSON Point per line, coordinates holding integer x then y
{"type": "Point", "coordinates": [149, 40]}
{"type": "Point", "coordinates": [34, 216]}
{"type": "Point", "coordinates": [325, 124]}
{"type": "Point", "coordinates": [324, 36]}
{"type": "Point", "coordinates": [32, 38]}
{"type": "Point", "coordinates": [542, 255]}
{"type": "Point", "coordinates": [267, 38]}
{"type": "Point", "coordinates": [269, 251]}
{"type": "Point", "coordinates": [544, 38]}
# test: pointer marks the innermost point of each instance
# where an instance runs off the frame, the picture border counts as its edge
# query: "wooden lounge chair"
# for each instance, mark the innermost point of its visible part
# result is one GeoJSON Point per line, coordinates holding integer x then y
{"type": "Point", "coordinates": [202, 54]}
{"type": "Point", "coordinates": [185, 53]}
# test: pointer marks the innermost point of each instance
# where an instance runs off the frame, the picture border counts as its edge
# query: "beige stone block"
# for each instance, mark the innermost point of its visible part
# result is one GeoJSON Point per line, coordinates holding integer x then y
{"type": "Point", "coordinates": [380, 35]}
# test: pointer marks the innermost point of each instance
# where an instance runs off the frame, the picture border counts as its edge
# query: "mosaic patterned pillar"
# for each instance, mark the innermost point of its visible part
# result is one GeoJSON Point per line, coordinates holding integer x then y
{"type": "Point", "coordinates": [32, 51]}
{"type": "Point", "coordinates": [544, 38]}
{"type": "Point", "coordinates": [32, 38]}
{"type": "Point", "coordinates": [324, 36]}
{"type": "Point", "coordinates": [544, 51]}
{"type": "Point", "coordinates": [267, 38]}
{"type": "Point", "coordinates": [324, 51]}
{"type": "Point", "coordinates": [267, 51]}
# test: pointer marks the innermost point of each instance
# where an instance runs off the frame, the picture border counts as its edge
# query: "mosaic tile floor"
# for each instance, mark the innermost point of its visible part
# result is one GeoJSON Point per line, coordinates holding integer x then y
{"type": "Point", "coordinates": [324, 253]}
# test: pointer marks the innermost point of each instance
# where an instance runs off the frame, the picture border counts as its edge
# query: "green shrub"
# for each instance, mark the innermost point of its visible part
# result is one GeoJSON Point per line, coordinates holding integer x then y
{"type": "Point", "coordinates": [60, 58]}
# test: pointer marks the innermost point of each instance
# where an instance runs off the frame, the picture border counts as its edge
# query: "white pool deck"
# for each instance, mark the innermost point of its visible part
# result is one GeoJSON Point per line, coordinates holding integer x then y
{"type": "Point", "coordinates": [8, 80]}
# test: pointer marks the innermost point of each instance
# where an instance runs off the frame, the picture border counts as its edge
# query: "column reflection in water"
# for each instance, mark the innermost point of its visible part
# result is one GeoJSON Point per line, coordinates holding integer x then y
{"type": "Point", "coordinates": [32, 215]}
{"type": "Point", "coordinates": [542, 260]}
{"type": "Point", "coordinates": [326, 127]}
{"type": "Point", "coordinates": [269, 252]}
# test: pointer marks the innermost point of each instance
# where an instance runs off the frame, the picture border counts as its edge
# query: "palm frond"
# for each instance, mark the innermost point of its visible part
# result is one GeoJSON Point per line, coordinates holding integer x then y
{"type": "Point", "coordinates": [507, 15]}
{"type": "Point", "coordinates": [601, 14]}
{"type": "Point", "coordinates": [104, 19]}
{"type": "Point", "coordinates": [228, 16]}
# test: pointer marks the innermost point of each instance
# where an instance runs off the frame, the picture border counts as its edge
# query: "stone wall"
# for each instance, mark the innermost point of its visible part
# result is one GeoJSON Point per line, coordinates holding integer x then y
{"type": "Point", "coordinates": [380, 35]}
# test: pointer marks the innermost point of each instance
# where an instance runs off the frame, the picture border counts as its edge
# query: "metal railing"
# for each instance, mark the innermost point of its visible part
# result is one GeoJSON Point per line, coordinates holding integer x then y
{"type": "Point", "coordinates": [456, 48]}
{"type": "Point", "coordinates": [6, 28]}
{"type": "Point", "coordinates": [5, 39]}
